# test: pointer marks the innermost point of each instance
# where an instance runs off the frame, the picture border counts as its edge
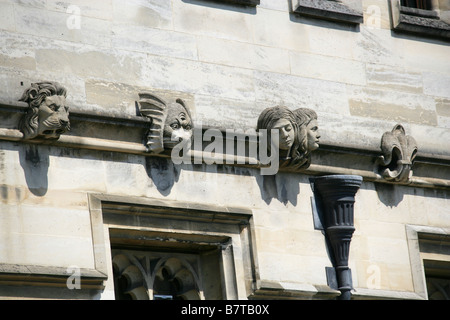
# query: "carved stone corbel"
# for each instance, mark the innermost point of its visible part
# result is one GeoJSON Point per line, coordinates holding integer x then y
{"type": "Point", "coordinates": [298, 134]}
{"type": "Point", "coordinates": [171, 122]}
{"type": "Point", "coordinates": [47, 116]}
{"type": "Point", "coordinates": [398, 153]}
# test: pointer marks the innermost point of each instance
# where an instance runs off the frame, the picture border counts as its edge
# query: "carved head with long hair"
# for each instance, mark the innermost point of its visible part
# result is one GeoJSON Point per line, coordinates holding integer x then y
{"type": "Point", "coordinates": [307, 135]}
{"type": "Point", "coordinates": [47, 116]}
{"type": "Point", "coordinates": [283, 119]}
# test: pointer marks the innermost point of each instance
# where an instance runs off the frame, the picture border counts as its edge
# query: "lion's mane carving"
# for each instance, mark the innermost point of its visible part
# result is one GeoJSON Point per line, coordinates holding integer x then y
{"type": "Point", "coordinates": [47, 116]}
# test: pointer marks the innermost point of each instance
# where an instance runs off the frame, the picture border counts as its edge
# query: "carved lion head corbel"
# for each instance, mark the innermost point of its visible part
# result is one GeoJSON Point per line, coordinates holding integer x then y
{"type": "Point", "coordinates": [47, 116]}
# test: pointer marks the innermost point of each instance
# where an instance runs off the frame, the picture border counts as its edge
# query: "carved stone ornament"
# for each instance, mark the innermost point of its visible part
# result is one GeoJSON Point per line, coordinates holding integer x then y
{"type": "Point", "coordinates": [398, 153]}
{"type": "Point", "coordinates": [298, 134]}
{"type": "Point", "coordinates": [47, 116]}
{"type": "Point", "coordinates": [171, 122]}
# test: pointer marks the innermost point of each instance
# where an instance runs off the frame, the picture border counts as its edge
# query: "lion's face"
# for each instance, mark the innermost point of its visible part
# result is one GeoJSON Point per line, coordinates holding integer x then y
{"type": "Point", "coordinates": [53, 117]}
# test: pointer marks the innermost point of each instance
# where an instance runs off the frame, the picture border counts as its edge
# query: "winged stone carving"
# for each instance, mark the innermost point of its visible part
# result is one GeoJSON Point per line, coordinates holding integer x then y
{"type": "Point", "coordinates": [171, 122]}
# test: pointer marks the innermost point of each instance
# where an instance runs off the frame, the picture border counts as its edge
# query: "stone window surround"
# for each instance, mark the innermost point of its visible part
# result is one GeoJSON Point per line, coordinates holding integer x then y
{"type": "Point", "coordinates": [114, 221]}
{"type": "Point", "coordinates": [413, 233]}
{"type": "Point", "coordinates": [252, 3]}
{"type": "Point", "coordinates": [328, 10]}
{"type": "Point", "coordinates": [418, 21]}
{"type": "Point", "coordinates": [230, 229]}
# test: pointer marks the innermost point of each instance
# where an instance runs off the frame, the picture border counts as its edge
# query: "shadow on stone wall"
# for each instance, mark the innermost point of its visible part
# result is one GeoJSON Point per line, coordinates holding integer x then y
{"type": "Point", "coordinates": [35, 162]}
{"type": "Point", "coordinates": [279, 186]}
{"type": "Point", "coordinates": [388, 194]}
{"type": "Point", "coordinates": [163, 172]}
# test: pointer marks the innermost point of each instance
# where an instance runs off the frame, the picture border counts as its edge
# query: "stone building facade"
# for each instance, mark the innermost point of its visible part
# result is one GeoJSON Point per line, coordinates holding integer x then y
{"type": "Point", "coordinates": [134, 149]}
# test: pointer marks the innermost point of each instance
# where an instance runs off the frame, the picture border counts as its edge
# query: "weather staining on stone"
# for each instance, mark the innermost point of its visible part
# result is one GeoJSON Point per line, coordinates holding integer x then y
{"type": "Point", "coordinates": [47, 116]}
{"type": "Point", "coordinates": [298, 134]}
{"type": "Point", "coordinates": [398, 153]}
{"type": "Point", "coordinates": [171, 122]}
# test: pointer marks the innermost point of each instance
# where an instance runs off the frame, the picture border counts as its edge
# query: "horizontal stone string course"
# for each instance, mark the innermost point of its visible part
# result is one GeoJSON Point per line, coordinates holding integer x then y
{"type": "Point", "coordinates": [138, 148]}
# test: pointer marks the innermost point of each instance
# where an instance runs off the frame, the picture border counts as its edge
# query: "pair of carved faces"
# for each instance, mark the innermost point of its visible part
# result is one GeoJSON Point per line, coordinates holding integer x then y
{"type": "Point", "coordinates": [48, 115]}
{"type": "Point", "coordinates": [298, 132]}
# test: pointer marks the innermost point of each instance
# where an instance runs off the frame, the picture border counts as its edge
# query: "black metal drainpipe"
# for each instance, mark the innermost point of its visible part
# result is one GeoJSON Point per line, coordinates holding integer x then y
{"type": "Point", "coordinates": [337, 194]}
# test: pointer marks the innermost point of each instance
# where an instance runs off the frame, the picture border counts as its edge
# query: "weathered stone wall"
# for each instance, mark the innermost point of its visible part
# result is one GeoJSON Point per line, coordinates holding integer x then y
{"type": "Point", "coordinates": [228, 63]}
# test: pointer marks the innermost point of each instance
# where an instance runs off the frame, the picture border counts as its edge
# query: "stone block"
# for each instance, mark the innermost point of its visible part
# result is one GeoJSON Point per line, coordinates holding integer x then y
{"type": "Point", "coordinates": [84, 8]}
{"type": "Point", "coordinates": [394, 78]}
{"type": "Point", "coordinates": [279, 30]}
{"type": "Point", "coordinates": [7, 16]}
{"type": "Point", "coordinates": [46, 236]}
{"type": "Point", "coordinates": [154, 41]}
{"type": "Point", "coordinates": [392, 105]}
{"type": "Point", "coordinates": [214, 21]}
{"type": "Point", "coordinates": [243, 55]}
{"type": "Point", "coordinates": [295, 268]}
{"type": "Point", "coordinates": [199, 78]}
{"type": "Point", "coordinates": [295, 91]}
{"type": "Point", "coordinates": [58, 26]}
{"type": "Point", "coordinates": [87, 63]}
{"type": "Point", "coordinates": [338, 41]}
{"type": "Point", "coordinates": [225, 113]}
{"type": "Point", "coordinates": [144, 13]}
{"type": "Point", "coordinates": [443, 112]}
{"type": "Point", "coordinates": [436, 84]}
{"type": "Point", "coordinates": [15, 81]}
{"type": "Point", "coordinates": [327, 68]}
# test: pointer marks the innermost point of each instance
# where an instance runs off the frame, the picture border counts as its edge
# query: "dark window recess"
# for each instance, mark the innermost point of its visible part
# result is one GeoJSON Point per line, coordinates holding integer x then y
{"type": "Point", "coordinates": [437, 275]}
{"type": "Point", "coordinates": [418, 4]}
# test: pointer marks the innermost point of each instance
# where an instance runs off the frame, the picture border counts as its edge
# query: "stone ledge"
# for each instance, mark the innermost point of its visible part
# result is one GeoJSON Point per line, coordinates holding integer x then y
{"type": "Point", "coordinates": [124, 133]}
{"type": "Point", "coordinates": [47, 276]}
{"type": "Point", "coordinates": [329, 10]}
{"type": "Point", "coordinates": [374, 294]}
{"type": "Point", "coordinates": [239, 2]}
{"type": "Point", "coordinates": [285, 290]}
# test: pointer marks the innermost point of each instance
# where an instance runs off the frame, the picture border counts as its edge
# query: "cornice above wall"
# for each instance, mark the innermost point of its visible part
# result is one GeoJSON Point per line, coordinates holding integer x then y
{"type": "Point", "coordinates": [103, 131]}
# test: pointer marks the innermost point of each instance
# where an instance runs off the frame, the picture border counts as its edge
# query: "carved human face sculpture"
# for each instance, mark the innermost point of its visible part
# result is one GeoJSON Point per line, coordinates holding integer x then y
{"type": "Point", "coordinates": [313, 136]}
{"type": "Point", "coordinates": [177, 127]}
{"type": "Point", "coordinates": [286, 133]}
